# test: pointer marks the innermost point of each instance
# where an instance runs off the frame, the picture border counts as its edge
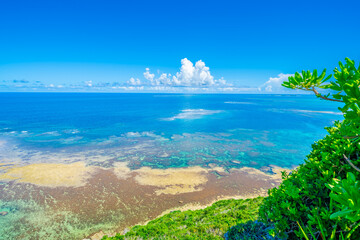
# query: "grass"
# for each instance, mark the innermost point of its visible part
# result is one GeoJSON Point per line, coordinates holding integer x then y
{"type": "Point", "coordinates": [208, 223]}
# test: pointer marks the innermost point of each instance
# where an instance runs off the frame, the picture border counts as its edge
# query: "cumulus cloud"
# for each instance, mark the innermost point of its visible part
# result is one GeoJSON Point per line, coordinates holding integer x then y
{"type": "Point", "coordinates": [149, 76]}
{"type": "Point", "coordinates": [190, 78]}
{"type": "Point", "coordinates": [274, 83]}
{"type": "Point", "coordinates": [190, 75]}
{"type": "Point", "coordinates": [88, 83]}
{"type": "Point", "coordinates": [129, 88]}
{"type": "Point", "coordinates": [134, 81]}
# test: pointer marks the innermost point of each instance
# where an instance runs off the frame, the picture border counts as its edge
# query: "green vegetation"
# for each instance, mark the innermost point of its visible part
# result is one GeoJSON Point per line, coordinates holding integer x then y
{"type": "Point", "coordinates": [303, 197]}
{"type": "Point", "coordinates": [343, 191]}
{"type": "Point", "coordinates": [302, 206]}
{"type": "Point", "coordinates": [209, 223]}
{"type": "Point", "coordinates": [252, 230]}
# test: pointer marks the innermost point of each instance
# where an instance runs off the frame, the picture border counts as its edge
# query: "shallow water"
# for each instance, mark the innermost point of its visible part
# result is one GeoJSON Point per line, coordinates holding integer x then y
{"type": "Point", "coordinates": [163, 130]}
{"type": "Point", "coordinates": [41, 133]}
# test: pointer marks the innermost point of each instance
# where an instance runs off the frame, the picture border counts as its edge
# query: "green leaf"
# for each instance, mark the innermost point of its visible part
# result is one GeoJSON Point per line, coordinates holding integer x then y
{"type": "Point", "coordinates": [341, 213]}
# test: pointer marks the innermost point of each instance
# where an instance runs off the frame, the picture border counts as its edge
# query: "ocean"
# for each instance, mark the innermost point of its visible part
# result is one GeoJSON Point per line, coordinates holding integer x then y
{"type": "Point", "coordinates": [42, 134]}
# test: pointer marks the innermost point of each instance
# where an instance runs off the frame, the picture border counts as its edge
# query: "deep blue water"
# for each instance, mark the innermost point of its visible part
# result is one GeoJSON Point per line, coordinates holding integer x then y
{"type": "Point", "coordinates": [162, 130]}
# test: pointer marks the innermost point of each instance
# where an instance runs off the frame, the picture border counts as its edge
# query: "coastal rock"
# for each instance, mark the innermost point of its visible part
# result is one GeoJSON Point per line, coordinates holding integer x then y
{"type": "Point", "coordinates": [221, 174]}
{"type": "Point", "coordinates": [3, 213]}
{"type": "Point", "coordinates": [97, 236]}
{"type": "Point", "coordinates": [164, 155]}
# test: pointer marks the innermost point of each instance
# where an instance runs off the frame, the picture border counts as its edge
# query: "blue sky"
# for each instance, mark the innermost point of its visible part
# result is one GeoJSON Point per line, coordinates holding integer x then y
{"type": "Point", "coordinates": [100, 45]}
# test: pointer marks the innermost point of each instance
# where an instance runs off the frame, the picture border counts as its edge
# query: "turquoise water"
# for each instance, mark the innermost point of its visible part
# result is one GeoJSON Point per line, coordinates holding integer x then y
{"type": "Point", "coordinates": [161, 130]}
{"type": "Point", "coordinates": [154, 130]}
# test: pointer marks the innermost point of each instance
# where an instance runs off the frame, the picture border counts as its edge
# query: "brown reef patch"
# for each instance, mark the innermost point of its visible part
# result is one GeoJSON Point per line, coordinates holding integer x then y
{"type": "Point", "coordinates": [50, 174]}
{"type": "Point", "coordinates": [172, 180]}
{"type": "Point", "coordinates": [110, 200]}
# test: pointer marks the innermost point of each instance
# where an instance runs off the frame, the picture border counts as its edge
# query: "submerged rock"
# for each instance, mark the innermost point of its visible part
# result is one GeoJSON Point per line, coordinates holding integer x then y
{"type": "Point", "coordinates": [3, 213]}
{"type": "Point", "coordinates": [97, 236]}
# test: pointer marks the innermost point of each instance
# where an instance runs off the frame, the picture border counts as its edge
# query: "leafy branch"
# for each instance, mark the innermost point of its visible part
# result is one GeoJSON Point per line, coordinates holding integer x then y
{"type": "Point", "coordinates": [323, 97]}
{"type": "Point", "coordinates": [351, 164]}
{"type": "Point", "coordinates": [345, 89]}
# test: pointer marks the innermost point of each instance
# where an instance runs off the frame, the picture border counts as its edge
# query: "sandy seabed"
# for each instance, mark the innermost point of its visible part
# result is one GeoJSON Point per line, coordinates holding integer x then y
{"type": "Point", "coordinates": [74, 201]}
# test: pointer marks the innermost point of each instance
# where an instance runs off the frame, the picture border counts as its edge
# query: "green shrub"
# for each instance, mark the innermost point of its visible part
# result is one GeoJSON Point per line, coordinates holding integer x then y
{"type": "Point", "coordinates": [301, 205]}
{"type": "Point", "coordinates": [251, 230]}
{"type": "Point", "coordinates": [347, 193]}
{"type": "Point", "coordinates": [302, 196]}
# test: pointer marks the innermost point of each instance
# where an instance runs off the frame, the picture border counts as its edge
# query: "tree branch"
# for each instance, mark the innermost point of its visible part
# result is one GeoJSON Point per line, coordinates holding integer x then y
{"type": "Point", "coordinates": [351, 164]}
{"type": "Point", "coordinates": [350, 137]}
{"type": "Point", "coordinates": [325, 98]}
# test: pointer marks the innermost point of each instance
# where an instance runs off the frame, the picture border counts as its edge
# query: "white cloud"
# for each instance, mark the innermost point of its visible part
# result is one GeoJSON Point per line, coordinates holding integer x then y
{"type": "Point", "coordinates": [129, 88]}
{"type": "Point", "coordinates": [134, 81]}
{"type": "Point", "coordinates": [88, 83]}
{"type": "Point", "coordinates": [190, 75]}
{"type": "Point", "coordinates": [149, 76]}
{"type": "Point", "coordinates": [274, 83]}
